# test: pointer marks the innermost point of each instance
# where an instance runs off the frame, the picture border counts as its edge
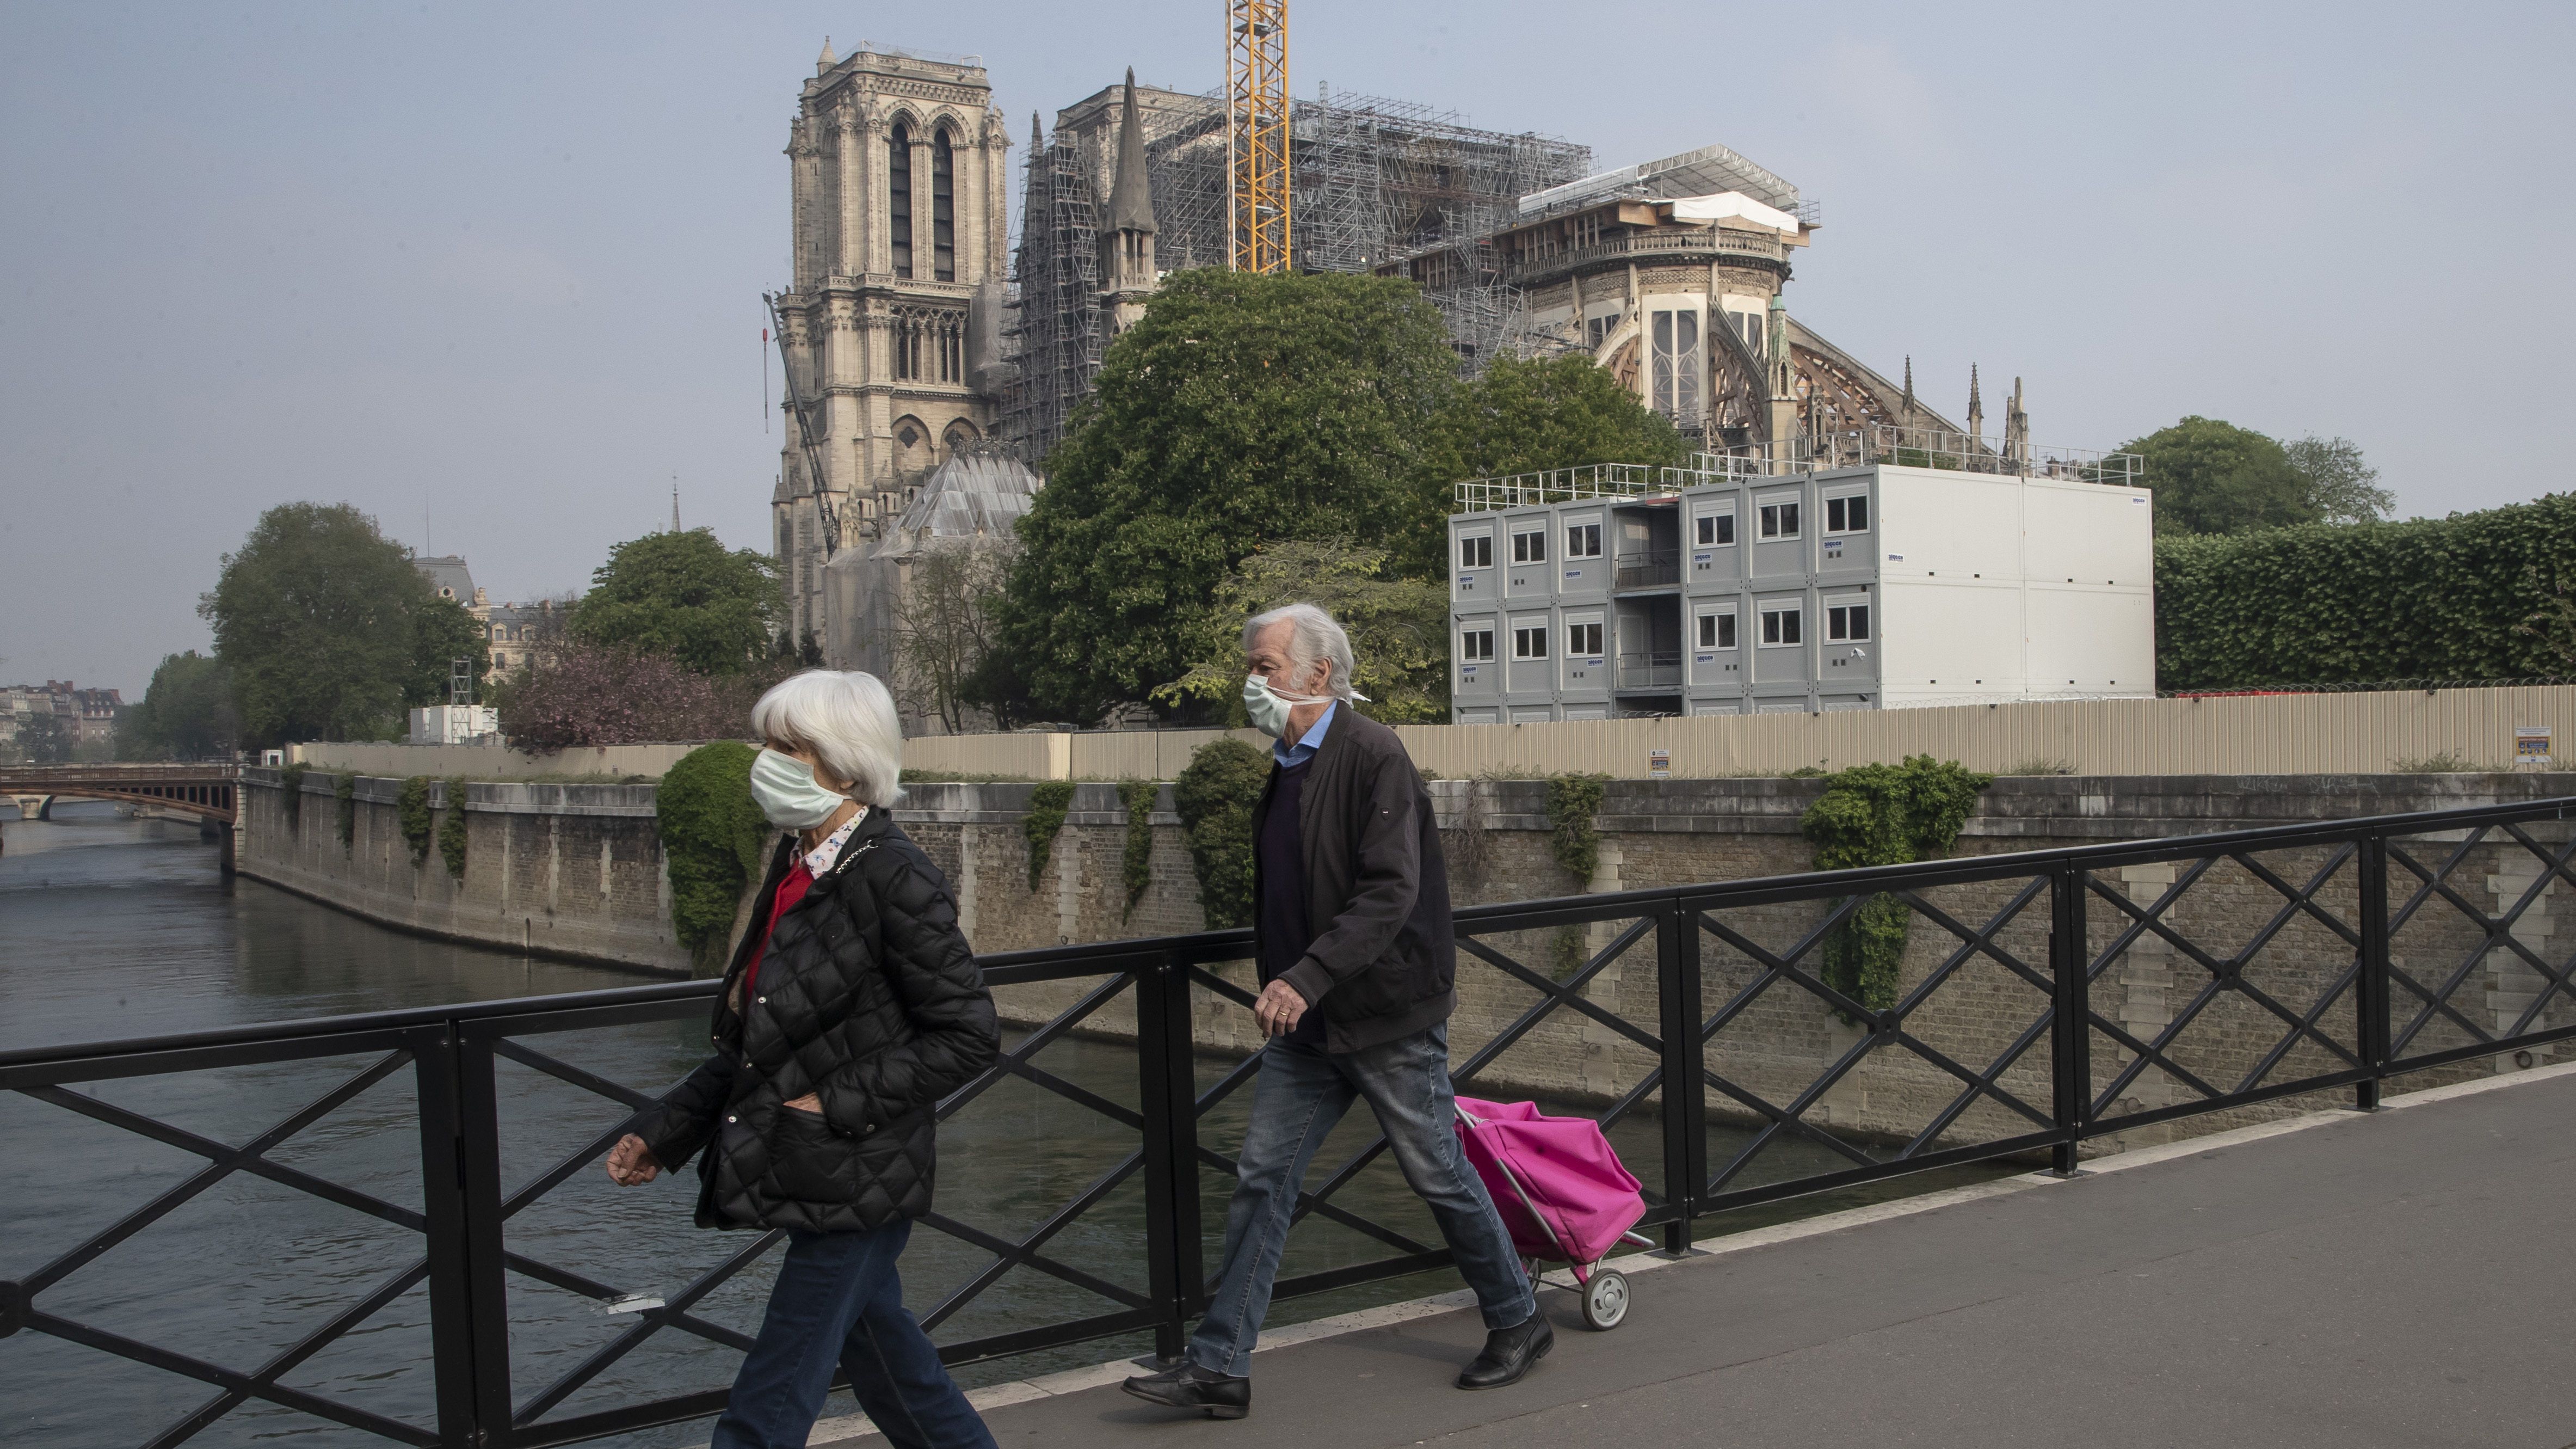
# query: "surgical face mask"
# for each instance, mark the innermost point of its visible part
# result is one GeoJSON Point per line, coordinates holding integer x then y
{"type": "Point", "coordinates": [1268, 708]}
{"type": "Point", "coordinates": [787, 792]}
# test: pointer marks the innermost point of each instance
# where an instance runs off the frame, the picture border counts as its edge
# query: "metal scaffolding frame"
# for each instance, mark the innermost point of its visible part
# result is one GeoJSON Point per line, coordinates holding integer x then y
{"type": "Point", "coordinates": [1060, 325]}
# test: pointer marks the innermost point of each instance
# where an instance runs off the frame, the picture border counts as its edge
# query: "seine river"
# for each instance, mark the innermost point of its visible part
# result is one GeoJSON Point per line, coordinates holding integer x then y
{"type": "Point", "coordinates": [114, 928]}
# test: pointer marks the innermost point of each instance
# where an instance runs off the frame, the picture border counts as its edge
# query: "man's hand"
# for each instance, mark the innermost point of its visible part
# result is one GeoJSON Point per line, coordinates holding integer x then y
{"type": "Point", "coordinates": [1279, 1009]}
{"type": "Point", "coordinates": [630, 1162]}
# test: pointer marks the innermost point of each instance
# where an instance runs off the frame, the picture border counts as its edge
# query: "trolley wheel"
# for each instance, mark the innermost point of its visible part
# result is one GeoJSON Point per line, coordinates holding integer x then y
{"type": "Point", "coordinates": [1605, 1300]}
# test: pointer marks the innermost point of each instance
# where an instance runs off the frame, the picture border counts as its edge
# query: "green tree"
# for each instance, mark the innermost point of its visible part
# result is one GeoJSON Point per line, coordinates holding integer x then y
{"type": "Point", "coordinates": [1243, 408]}
{"type": "Point", "coordinates": [322, 621]}
{"type": "Point", "coordinates": [2340, 486]}
{"type": "Point", "coordinates": [44, 739]}
{"type": "Point", "coordinates": [1399, 629]}
{"type": "Point", "coordinates": [685, 595]}
{"type": "Point", "coordinates": [186, 712]}
{"type": "Point", "coordinates": [2214, 477]}
{"type": "Point", "coordinates": [1519, 417]}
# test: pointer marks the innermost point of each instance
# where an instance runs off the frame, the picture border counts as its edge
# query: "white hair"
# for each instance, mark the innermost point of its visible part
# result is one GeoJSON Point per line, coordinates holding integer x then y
{"type": "Point", "coordinates": [847, 720]}
{"type": "Point", "coordinates": [1312, 636]}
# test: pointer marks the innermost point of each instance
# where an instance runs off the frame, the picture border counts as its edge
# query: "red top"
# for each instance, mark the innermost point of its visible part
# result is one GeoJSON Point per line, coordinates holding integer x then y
{"type": "Point", "coordinates": [790, 891]}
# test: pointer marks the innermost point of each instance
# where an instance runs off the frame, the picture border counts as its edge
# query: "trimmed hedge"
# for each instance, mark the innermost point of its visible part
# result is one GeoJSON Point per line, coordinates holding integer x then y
{"type": "Point", "coordinates": [2432, 598]}
{"type": "Point", "coordinates": [713, 839]}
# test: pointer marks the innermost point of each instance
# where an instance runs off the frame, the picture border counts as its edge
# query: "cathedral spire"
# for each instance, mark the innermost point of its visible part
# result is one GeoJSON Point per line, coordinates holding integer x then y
{"type": "Point", "coordinates": [675, 503]}
{"type": "Point", "coordinates": [1905, 417]}
{"type": "Point", "coordinates": [827, 59]}
{"type": "Point", "coordinates": [1976, 409]}
{"type": "Point", "coordinates": [1131, 205]}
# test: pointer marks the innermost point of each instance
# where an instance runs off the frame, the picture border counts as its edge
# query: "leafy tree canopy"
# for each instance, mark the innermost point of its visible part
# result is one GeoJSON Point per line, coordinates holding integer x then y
{"type": "Point", "coordinates": [2214, 477]}
{"type": "Point", "coordinates": [1519, 417]}
{"type": "Point", "coordinates": [1399, 630]}
{"type": "Point", "coordinates": [1241, 409]}
{"type": "Point", "coordinates": [684, 595]}
{"type": "Point", "coordinates": [185, 714]}
{"type": "Point", "coordinates": [2340, 485]}
{"type": "Point", "coordinates": [327, 629]}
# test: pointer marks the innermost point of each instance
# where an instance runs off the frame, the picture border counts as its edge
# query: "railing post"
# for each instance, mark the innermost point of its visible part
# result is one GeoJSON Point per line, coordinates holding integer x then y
{"type": "Point", "coordinates": [1167, 1089]}
{"type": "Point", "coordinates": [2070, 1042]}
{"type": "Point", "coordinates": [2370, 973]}
{"type": "Point", "coordinates": [469, 1325]}
{"type": "Point", "coordinates": [1685, 1101]}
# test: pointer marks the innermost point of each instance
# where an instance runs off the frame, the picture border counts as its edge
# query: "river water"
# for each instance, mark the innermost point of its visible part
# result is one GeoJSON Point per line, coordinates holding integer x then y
{"type": "Point", "coordinates": [114, 928]}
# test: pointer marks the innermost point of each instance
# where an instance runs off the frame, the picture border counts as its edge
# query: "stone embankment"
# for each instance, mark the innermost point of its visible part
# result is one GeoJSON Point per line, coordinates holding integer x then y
{"type": "Point", "coordinates": [577, 870]}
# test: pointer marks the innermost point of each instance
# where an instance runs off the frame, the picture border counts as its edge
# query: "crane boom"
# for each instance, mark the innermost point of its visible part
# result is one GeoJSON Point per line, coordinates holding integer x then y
{"type": "Point", "coordinates": [802, 408]}
{"type": "Point", "coordinates": [1256, 74]}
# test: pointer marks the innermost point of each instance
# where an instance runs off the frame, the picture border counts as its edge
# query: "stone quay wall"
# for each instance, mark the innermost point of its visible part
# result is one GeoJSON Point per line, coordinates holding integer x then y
{"type": "Point", "coordinates": [576, 870]}
{"type": "Point", "coordinates": [562, 870]}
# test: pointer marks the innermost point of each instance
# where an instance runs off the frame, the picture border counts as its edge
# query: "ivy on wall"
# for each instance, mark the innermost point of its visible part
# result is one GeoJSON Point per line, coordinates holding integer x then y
{"type": "Point", "coordinates": [1215, 794]}
{"type": "Point", "coordinates": [345, 791]}
{"type": "Point", "coordinates": [412, 809]}
{"type": "Point", "coordinates": [2432, 598]}
{"type": "Point", "coordinates": [291, 780]}
{"type": "Point", "coordinates": [1572, 802]}
{"type": "Point", "coordinates": [1884, 815]}
{"type": "Point", "coordinates": [1137, 865]}
{"type": "Point", "coordinates": [1049, 803]}
{"type": "Point", "coordinates": [451, 829]}
{"type": "Point", "coordinates": [713, 840]}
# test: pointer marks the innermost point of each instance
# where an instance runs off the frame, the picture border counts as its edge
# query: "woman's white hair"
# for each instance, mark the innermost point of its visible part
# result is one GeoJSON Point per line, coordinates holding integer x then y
{"type": "Point", "coordinates": [847, 720]}
{"type": "Point", "coordinates": [1312, 636]}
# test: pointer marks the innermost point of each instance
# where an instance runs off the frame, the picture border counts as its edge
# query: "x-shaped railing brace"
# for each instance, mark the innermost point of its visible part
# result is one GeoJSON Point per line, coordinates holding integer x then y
{"type": "Point", "coordinates": [2498, 931]}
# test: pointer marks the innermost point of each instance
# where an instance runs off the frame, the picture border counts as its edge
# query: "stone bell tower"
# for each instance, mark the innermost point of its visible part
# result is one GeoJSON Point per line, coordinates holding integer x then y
{"type": "Point", "coordinates": [900, 220]}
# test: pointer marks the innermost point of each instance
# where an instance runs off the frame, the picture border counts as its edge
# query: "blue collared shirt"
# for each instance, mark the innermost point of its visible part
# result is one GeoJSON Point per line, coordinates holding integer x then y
{"type": "Point", "coordinates": [1291, 756]}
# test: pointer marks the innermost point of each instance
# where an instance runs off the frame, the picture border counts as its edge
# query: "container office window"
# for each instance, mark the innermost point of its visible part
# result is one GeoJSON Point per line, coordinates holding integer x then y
{"type": "Point", "coordinates": [1780, 625]}
{"type": "Point", "coordinates": [1475, 646]}
{"type": "Point", "coordinates": [1847, 515]}
{"type": "Point", "coordinates": [1780, 518]}
{"type": "Point", "coordinates": [1529, 547]}
{"type": "Point", "coordinates": [1717, 629]}
{"type": "Point", "coordinates": [1715, 530]}
{"type": "Point", "coordinates": [1476, 552]}
{"type": "Point", "coordinates": [1583, 540]}
{"type": "Point", "coordinates": [1530, 643]}
{"type": "Point", "coordinates": [1847, 622]}
{"type": "Point", "coordinates": [1583, 638]}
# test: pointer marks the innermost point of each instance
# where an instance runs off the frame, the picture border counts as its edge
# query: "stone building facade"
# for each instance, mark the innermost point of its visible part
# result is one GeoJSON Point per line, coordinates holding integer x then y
{"type": "Point", "coordinates": [900, 240]}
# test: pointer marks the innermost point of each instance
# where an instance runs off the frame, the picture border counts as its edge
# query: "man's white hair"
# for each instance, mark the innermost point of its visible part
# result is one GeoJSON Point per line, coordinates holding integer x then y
{"type": "Point", "coordinates": [847, 720]}
{"type": "Point", "coordinates": [1312, 636]}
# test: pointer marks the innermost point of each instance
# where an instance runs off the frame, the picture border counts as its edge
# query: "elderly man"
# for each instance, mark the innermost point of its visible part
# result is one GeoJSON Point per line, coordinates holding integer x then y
{"type": "Point", "coordinates": [1351, 929]}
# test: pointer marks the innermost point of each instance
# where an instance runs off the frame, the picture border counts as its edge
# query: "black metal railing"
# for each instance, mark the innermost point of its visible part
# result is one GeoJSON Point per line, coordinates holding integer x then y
{"type": "Point", "coordinates": [1741, 1042]}
{"type": "Point", "coordinates": [1649, 569]}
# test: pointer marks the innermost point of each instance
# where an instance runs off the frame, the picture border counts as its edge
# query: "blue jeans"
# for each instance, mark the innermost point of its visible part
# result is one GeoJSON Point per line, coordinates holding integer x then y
{"type": "Point", "coordinates": [838, 1299]}
{"type": "Point", "coordinates": [1301, 1093]}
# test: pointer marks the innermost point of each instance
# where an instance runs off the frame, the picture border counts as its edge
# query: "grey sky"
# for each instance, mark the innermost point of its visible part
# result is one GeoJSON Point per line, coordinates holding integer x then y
{"type": "Point", "coordinates": [503, 263]}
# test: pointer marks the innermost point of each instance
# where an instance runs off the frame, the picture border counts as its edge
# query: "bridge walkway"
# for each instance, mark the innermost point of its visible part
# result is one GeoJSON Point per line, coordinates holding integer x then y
{"type": "Point", "coordinates": [2342, 1282]}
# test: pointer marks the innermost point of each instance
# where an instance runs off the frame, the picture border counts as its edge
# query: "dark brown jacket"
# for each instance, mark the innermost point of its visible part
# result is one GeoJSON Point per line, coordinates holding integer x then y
{"type": "Point", "coordinates": [1382, 964]}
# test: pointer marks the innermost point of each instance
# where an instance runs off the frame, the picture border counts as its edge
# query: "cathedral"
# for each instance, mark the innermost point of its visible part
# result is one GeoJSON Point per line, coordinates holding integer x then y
{"type": "Point", "coordinates": [913, 336]}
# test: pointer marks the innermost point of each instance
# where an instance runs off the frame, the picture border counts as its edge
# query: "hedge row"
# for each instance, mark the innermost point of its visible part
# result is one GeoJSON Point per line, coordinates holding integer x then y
{"type": "Point", "coordinates": [2433, 598]}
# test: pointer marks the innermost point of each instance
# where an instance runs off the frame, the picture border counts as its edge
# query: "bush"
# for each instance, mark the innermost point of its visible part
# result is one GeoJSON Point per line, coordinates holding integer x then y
{"type": "Point", "coordinates": [713, 838]}
{"type": "Point", "coordinates": [1572, 801]}
{"type": "Point", "coordinates": [1137, 865]}
{"type": "Point", "coordinates": [612, 695]}
{"type": "Point", "coordinates": [1049, 803]}
{"type": "Point", "coordinates": [451, 830]}
{"type": "Point", "coordinates": [413, 809]}
{"type": "Point", "coordinates": [1884, 815]}
{"type": "Point", "coordinates": [345, 791]}
{"type": "Point", "coordinates": [1215, 795]}
{"type": "Point", "coordinates": [291, 780]}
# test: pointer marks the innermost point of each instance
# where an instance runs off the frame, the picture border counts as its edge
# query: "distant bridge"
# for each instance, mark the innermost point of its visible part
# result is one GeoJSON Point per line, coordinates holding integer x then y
{"type": "Point", "coordinates": [205, 791]}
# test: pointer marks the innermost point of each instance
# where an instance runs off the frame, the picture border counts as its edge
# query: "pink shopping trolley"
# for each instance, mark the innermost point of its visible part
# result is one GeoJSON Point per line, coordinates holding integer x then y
{"type": "Point", "coordinates": [1561, 1191]}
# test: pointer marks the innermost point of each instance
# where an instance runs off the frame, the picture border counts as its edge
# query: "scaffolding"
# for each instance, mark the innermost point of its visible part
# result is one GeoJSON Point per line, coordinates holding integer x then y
{"type": "Point", "coordinates": [1371, 178]}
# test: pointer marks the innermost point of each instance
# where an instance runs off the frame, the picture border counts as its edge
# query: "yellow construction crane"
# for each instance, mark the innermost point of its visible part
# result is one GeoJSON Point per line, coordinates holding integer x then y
{"type": "Point", "coordinates": [1256, 74]}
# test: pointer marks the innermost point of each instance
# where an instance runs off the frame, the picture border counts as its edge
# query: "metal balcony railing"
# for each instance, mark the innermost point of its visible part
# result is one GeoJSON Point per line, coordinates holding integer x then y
{"type": "Point", "coordinates": [1656, 670]}
{"type": "Point", "coordinates": [1648, 569]}
{"type": "Point", "coordinates": [2288, 960]}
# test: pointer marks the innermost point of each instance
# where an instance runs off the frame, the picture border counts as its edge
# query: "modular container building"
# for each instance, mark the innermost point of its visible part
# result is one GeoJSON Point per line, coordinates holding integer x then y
{"type": "Point", "coordinates": [1854, 588]}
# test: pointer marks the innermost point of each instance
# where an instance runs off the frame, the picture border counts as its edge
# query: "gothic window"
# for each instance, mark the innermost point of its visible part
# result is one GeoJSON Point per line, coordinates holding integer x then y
{"type": "Point", "coordinates": [1675, 373]}
{"type": "Point", "coordinates": [952, 350]}
{"type": "Point", "coordinates": [959, 435]}
{"type": "Point", "coordinates": [899, 194]}
{"type": "Point", "coordinates": [943, 210]}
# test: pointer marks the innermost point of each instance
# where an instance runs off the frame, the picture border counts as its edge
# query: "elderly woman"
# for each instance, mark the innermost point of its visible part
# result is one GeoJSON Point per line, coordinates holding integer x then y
{"type": "Point", "coordinates": [851, 1007]}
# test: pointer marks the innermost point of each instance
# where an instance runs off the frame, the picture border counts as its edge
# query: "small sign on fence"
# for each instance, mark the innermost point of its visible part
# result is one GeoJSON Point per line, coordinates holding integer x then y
{"type": "Point", "coordinates": [1659, 764]}
{"type": "Point", "coordinates": [2531, 746]}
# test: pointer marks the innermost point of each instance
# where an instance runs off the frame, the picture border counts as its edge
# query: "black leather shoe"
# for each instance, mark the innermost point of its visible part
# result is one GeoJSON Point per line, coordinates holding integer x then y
{"type": "Point", "coordinates": [1508, 1354]}
{"type": "Point", "coordinates": [1191, 1387]}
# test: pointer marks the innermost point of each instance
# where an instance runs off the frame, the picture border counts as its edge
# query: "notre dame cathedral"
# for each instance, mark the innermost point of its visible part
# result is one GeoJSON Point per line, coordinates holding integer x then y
{"type": "Point", "coordinates": [916, 334]}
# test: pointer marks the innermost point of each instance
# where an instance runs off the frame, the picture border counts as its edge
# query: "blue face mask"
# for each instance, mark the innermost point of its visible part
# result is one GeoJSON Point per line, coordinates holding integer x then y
{"type": "Point", "coordinates": [785, 789]}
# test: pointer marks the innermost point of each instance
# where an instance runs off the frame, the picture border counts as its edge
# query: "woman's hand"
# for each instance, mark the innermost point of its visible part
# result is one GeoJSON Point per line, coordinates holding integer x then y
{"type": "Point", "coordinates": [630, 1162]}
{"type": "Point", "coordinates": [807, 1103]}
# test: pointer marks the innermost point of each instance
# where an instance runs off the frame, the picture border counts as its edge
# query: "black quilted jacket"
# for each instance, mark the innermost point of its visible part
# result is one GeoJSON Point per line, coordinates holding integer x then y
{"type": "Point", "coordinates": [870, 998]}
